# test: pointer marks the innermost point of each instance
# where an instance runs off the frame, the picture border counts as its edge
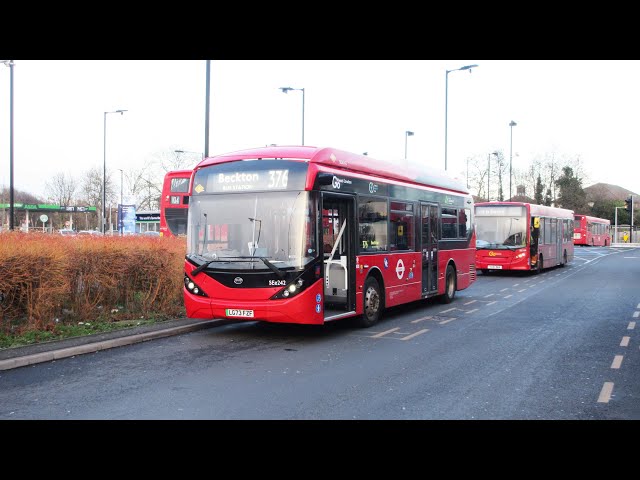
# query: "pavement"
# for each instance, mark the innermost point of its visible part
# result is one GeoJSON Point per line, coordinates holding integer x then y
{"type": "Point", "coordinates": [48, 351]}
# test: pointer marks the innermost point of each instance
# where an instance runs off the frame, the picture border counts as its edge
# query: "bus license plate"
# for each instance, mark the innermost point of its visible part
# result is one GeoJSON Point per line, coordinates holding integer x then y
{"type": "Point", "coordinates": [495, 267]}
{"type": "Point", "coordinates": [236, 312]}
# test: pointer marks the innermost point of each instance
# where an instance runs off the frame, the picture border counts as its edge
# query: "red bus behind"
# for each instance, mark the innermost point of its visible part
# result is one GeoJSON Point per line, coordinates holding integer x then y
{"type": "Point", "coordinates": [522, 236]}
{"type": "Point", "coordinates": [174, 203]}
{"type": "Point", "coordinates": [591, 231]}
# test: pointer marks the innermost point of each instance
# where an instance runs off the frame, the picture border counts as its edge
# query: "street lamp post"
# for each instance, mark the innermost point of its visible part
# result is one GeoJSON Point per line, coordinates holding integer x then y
{"type": "Point", "coordinates": [467, 172]}
{"type": "Point", "coordinates": [406, 135]}
{"type": "Point", "coordinates": [489, 172]}
{"type": "Point", "coordinates": [120, 211]}
{"type": "Point", "coordinates": [446, 106]}
{"type": "Point", "coordinates": [104, 172]}
{"type": "Point", "coordinates": [511, 124]}
{"type": "Point", "coordinates": [10, 63]}
{"type": "Point", "coordinates": [286, 90]}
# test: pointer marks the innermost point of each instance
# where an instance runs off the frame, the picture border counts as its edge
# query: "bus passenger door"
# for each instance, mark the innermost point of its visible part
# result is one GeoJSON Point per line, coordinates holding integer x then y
{"type": "Point", "coordinates": [429, 223]}
{"type": "Point", "coordinates": [338, 233]}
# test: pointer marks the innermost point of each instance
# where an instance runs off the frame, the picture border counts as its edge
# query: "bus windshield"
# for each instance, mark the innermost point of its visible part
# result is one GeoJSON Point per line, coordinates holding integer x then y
{"type": "Point", "coordinates": [241, 231]}
{"type": "Point", "coordinates": [501, 226]}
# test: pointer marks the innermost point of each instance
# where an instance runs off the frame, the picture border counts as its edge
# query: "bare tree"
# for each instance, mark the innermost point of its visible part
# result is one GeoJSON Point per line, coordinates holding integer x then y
{"type": "Point", "coordinates": [61, 189]}
{"type": "Point", "coordinates": [146, 187]}
{"type": "Point", "coordinates": [499, 169]}
{"type": "Point", "coordinates": [91, 190]}
{"type": "Point", "coordinates": [477, 175]}
{"type": "Point", "coordinates": [179, 159]}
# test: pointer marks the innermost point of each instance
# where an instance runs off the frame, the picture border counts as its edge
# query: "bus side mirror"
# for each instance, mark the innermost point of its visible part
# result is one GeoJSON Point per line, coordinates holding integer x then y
{"type": "Point", "coordinates": [536, 222]}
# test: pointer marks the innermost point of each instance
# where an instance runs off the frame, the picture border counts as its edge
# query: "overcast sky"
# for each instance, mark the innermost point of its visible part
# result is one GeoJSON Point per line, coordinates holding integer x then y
{"type": "Point", "coordinates": [566, 108]}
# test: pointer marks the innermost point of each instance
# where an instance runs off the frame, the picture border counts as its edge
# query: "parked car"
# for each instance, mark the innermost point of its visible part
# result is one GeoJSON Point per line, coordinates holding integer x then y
{"type": "Point", "coordinates": [89, 232]}
{"type": "Point", "coordinates": [151, 233]}
{"type": "Point", "coordinates": [67, 232]}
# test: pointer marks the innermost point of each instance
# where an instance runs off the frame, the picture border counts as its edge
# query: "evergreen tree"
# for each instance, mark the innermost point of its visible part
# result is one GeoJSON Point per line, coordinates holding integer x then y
{"type": "Point", "coordinates": [538, 191]}
{"type": "Point", "coordinates": [571, 196]}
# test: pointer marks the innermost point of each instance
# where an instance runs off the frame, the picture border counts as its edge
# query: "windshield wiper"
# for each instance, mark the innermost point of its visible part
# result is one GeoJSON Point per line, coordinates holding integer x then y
{"type": "Point", "coordinates": [275, 269]}
{"type": "Point", "coordinates": [197, 270]}
{"type": "Point", "coordinates": [206, 264]}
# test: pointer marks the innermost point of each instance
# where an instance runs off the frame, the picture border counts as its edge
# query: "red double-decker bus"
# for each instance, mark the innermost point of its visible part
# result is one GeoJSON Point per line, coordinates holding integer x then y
{"type": "Point", "coordinates": [174, 203]}
{"type": "Point", "coordinates": [522, 236]}
{"type": "Point", "coordinates": [592, 231]}
{"type": "Point", "coordinates": [300, 234]}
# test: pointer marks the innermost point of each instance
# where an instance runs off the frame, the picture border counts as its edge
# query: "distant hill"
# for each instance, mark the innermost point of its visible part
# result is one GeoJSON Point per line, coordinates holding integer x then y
{"type": "Point", "coordinates": [606, 191]}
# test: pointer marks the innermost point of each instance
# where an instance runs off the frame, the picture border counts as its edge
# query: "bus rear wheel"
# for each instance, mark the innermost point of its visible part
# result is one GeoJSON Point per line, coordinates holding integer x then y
{"type": "Point", "coordinates": [373, 304]}
{"type": "Point", "coordinates": [449, 285]}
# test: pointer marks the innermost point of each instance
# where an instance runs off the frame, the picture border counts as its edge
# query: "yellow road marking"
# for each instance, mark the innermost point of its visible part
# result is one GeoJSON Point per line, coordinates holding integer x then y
{"type": "Point", "coordinates": [605, 393]}
{"type": "Point", "coordinates": [382, 334]}
{"type": "Point", "coordinates": [419, 332]}
{"type": "Point", "coordinates": [617, 361]}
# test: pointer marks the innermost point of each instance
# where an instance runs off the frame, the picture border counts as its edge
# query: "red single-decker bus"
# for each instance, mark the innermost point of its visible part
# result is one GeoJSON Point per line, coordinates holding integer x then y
{"type": "Point", "coordinates": [522, 236]}
{"type": "Point", "coordinates": [591, 231]}
{"type": "Point", "coordinates": [300, 234]}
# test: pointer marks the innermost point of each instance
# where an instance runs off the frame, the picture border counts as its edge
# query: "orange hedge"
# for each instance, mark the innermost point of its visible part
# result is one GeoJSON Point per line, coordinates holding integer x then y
{"type": "Point", "coordinates": [47, 278]}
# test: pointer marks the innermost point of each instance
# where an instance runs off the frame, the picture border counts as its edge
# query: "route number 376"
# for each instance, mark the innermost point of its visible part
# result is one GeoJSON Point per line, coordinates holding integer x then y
{"type": "Point", "coordinates": [278, 178]}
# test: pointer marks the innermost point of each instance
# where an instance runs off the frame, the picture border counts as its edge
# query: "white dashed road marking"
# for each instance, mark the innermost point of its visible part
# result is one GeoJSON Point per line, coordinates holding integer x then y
{"type": "Point", "coordinates": [625, 342]}
{"type": "Point", "coordinates": [605, 393]}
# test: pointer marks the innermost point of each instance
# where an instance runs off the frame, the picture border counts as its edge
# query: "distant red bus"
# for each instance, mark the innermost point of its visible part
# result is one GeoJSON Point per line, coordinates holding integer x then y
{"type": "Point", "coordinates": [174, 203]}
{"type": "Point", "coordinates": [522, 236]}
{"type": "Point", "coordinates": [591, 231]}
{"type": "Point", "coordinates": [307, 235]}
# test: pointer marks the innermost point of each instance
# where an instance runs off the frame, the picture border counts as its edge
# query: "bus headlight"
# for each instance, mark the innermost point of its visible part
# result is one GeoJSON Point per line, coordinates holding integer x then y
{"type": "Point", "coordinates": [296, 286]}
{"type": "Point", "coordinates": [193, 287]}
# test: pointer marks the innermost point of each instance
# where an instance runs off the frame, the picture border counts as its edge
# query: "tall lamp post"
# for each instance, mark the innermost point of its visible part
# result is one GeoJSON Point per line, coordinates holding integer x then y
{"type": "Point", "coordinates": [446, 105]}
{"type": "Point", "coordinates": [489, 172]}
{"type": "Point", "coordinates": [511, 124]}
{"type": "Point", "coordinates": [286, 90]}
{"type": "Point", "coordinates": [406, 135]}
{"type": "Point", "coordinates": [104, 172]}
{"type": "Point", "coordinates": [120, 211]}
{"type": "Point", "coordinates": [10, 63]}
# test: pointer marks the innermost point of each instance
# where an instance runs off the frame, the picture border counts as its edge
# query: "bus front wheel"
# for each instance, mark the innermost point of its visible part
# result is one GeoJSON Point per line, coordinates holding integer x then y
{"type": "Point", "coordinates": [373, 303]}
{"type": "Point", "coordinates": [449, 285]}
